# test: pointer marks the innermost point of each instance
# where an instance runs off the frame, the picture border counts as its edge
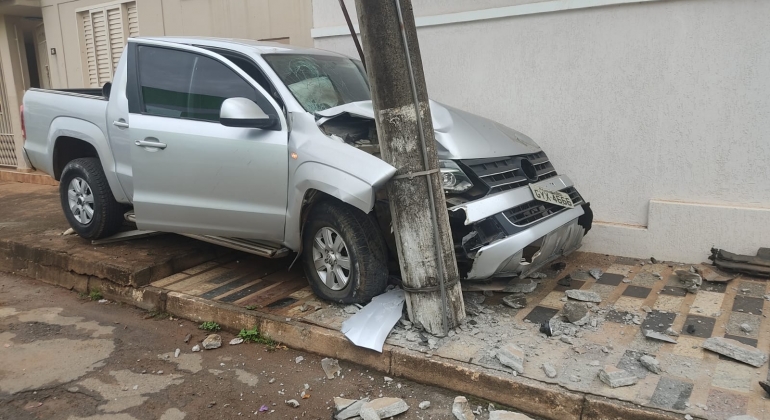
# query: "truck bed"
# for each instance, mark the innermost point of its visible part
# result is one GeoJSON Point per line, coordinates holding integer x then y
{"type": "Point", "coordinates": [49, 114]}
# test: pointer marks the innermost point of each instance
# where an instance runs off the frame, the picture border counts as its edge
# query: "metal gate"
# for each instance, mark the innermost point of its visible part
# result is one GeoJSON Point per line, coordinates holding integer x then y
{"type": "Point", "coordinates": [7, 143]}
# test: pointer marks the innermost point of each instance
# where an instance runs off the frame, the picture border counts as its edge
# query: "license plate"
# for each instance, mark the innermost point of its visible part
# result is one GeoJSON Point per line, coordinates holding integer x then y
{"type": "Point", "coordinates": [554, 197]}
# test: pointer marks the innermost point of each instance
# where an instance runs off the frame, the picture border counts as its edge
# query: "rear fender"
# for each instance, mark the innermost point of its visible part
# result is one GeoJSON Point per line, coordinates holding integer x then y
{"type": "Point", "coordinates": [93, 135]}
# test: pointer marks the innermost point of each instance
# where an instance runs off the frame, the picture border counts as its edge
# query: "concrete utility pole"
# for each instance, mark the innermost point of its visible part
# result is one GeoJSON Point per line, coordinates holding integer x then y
{"type": "Point", "coordinates": [407, 141]}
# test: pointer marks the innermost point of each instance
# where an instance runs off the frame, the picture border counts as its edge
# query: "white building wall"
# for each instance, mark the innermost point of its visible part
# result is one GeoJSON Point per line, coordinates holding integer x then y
{"type": "Point", "coordinates": [659, 111]}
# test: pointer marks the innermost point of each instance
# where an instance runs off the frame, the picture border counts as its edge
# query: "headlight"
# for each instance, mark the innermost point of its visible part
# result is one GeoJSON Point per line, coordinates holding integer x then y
{"type": "Point", "coordinates": [453, 178]}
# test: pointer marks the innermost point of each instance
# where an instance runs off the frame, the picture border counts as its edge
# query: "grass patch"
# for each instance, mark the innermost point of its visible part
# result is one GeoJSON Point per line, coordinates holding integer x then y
{"type": "Point", "coordinates": [251, 307]}
{"type": "Point", "coordinates": [255, 336]}
{"type": "Point", "coordinates": [95, 295]}
{"type": "Point", "coordinates": [210, 326]}
{"type": "Point", "coordinates": [157, 315]}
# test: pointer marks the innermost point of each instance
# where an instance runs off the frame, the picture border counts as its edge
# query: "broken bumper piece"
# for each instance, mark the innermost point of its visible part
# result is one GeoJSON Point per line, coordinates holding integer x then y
{"type": "Point", "coordinates": [515, 235]}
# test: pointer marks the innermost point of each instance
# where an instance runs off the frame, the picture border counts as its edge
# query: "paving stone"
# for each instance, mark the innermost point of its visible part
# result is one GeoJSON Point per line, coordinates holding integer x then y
{"type": "Point", "coordinates": [462, 410]}
{"type": "Point", "coordinates": [540, 314]}
{"type": "Point", "coordinates": [673, 291]}
{"type": "Point", "coordinates": [584, 295]}
{"type": "Point", "coordinates": [382, 408]}
{"type": "Point", "coordinates": [611, 279]}
{"type": "Point", "coordinates": [511, 356]}
{"type": "Point", "coordinates": [615, 377]}
{"type": "Point", "coordinates": [630, 363]}
{"type": "Point", "coordinates": [616, 316]}
{"type": "Point", "coordinates": [727, 405]}
{"type": "Point", "coordinates": [644, 279]}
{"type": "Point", "coordinates": [671, 394]}
{"type": "Point", "coordinates": [753, 289]}
{"type": "Point", "coordinates": [549, 370]}
{"type": "Point", "coordinates": [658, 321]}
{"type": "Point", "coordinates": [743, 417]}
{"type": "Point", "coordinates": [709, 303]}
{"type": "Point", "coordinates": [736, 350]}
{"type": "Point", "coordinates": [650, 363]}
{"type": "Point", "coordinates": [741, 339]}
{"type": "Point", "coordinates": [729, 374]}
{"type": "Point", "coordinates": [507, 415]}
{"type": "Point", "coordinates": [573, 284]}
{"type": "Point", "coordinates": [699, 326]}
{"type": "Point", "coordinates": [713, 286]}
{"type": "Point", "coordinates": [748, 305]}
{"type": "Point", "coordinates": [637, 292]}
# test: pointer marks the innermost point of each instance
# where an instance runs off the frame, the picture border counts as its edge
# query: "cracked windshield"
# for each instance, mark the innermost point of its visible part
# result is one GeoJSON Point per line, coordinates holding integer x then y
{"type": "Point", "coordinates": [320, 82]}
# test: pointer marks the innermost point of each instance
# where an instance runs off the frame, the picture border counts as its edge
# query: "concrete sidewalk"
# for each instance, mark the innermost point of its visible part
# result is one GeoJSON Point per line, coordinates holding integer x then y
{"type": "Point", "coordinates": [240, 291]}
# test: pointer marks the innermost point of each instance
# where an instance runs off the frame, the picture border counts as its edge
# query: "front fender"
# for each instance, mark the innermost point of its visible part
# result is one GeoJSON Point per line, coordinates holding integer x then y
{"type": "Point", "coordinates": [93, 135]}
{"type": "Point", "coordinates": [334, 182]}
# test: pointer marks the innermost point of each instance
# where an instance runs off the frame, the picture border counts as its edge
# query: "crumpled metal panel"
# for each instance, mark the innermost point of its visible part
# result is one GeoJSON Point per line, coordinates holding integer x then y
{"type": "Point", "coordinates": [370, 326]}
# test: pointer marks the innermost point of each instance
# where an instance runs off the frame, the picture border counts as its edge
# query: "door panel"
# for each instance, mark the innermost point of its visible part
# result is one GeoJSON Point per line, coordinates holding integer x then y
{"type": "Point", "coordinates": [190, 173]}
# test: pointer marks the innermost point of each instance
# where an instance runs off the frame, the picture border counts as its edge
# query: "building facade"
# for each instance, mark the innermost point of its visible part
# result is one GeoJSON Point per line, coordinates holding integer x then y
{"type": "Point", "coordinates": [657, 109]}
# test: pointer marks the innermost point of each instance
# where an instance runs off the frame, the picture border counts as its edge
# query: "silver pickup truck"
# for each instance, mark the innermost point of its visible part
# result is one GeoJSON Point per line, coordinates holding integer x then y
{"type": "Point", "coordinates": [271, 149]}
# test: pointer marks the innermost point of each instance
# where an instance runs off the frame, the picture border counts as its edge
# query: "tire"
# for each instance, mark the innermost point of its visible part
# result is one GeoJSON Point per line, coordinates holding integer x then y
{"type": "Point", "coordinates": [362, 245]}
{"type": "Point", "coordinates": [95, 214]}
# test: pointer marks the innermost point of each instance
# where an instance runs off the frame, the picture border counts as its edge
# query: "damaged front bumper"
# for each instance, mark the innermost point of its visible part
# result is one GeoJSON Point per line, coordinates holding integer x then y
{"type": "Point", "coordinates": [515, 235]}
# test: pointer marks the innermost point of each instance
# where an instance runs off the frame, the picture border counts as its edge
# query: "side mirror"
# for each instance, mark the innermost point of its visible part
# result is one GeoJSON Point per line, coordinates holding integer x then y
{"type": "Point", "coordinates": [106, 89]}
{"type": "Point", "coordinates": [242, 112]}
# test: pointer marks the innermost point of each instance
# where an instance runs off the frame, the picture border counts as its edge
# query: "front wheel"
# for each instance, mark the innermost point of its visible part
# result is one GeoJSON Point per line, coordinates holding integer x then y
{"type": "Point", "coordinates": [87, 201]}
{"type": "Point", "coordinates": [344, 254]}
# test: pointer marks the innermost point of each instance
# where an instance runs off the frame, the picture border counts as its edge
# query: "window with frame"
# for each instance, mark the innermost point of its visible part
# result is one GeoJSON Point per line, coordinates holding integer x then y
{"type": "Point", "coordinates": [104, 30]}
{"type": "Point", "coordinates": [181, 84]}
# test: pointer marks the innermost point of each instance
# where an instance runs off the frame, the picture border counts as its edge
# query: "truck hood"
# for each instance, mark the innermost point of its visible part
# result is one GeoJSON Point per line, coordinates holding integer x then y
{"type": "Point", "coordinates": [460, 134]}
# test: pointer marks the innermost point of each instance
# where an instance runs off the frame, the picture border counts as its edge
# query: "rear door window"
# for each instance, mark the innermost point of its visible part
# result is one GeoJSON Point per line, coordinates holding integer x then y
{"type": "Point", "coordinates": [181, 84]}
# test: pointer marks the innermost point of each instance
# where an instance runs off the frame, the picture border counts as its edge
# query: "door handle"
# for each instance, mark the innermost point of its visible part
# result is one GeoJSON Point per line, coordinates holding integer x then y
{"type": "Point", "coordinates": [120, 123]}
{"type": "Point", "coordinates": [152, 144]}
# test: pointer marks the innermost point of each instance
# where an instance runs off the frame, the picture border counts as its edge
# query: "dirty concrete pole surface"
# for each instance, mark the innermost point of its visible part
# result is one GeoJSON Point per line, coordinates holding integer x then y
{"type": "Point", "coordinates": [399, 137]}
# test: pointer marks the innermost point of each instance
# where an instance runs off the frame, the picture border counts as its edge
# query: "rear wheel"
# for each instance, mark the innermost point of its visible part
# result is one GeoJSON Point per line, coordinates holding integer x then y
{"type": "Point", "coordinates": [344, 254]}
{"type": "Point", "coordinates": [87, 201]}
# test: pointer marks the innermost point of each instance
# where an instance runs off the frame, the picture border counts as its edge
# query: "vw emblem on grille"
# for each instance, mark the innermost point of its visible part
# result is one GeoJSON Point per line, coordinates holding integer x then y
{"type": "Point", "coordinates": [528, 169]}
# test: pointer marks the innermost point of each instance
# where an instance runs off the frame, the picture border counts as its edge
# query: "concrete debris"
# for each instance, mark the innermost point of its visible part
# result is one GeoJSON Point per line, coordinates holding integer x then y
{"type": "Point", "coordinates": [507, 415]}
{"type": "Point", "coordinates": [584, 295]}
{"type": "Point", "coordinates": [351, 309]}
{"type": "Point", "coordinates": [299, 359]}
{"type": "Point", "coordinates": [558, 266]}
{"type": "Point", "coordinates": [595, 273]}
{"type": "Point", "coordinates": [236, 341]}
{"type": "Point", "coordinates": [746, 328]}
{"type": "Point", "coordinates": [196, 348]}
{"type": "Point", "coordinates": [765, 385]}
{"type": "Point", "coordinates": [68, 232]}
{"type": "Point", "coordinates": [566, 339]}
{"type": "Point", "coordinates": [711, 274]}
{"type": "Point", "coordinates": [549, 370]}
{"type": "Point", "coordinates": [575, 312]}
{"type": "Point", "coordinates": [352, 410]}
{"type": "Point", "coordinates": [616, 377]}
{"type": "Point", "coordinates": [626, 280]}
{"type": "Point", "coordinates": [687, 417]}
{"type": "Point", "coordinates": [527, 287]}
{"type": "Point", "coordinates": [292, 403]}
{"type": "Point", "coordinates": [104, 301]}
{"type": "Point", "coordinates": [565, 281]}
{"type": "Point", "coordinates": [743, 417]}
{"type": "Point", "coordinates": [670, 331]}
{"type": "Point", "coordinates": [650, 363]}
{"type": "Point", "coordinates": [580, 275]}
{"type": "Point", "coordinates": [176, 352]}
{"type": "Point", "coordinates": [690, 279]}
{"type": "Point", "coordinates": [658, 336]}
{"type": "Point", "coordinates": [758, 265]}
{"type": "Point", "coordinates": [213, 341]}
{"type": "Point", "coordinates": [736, 350]}
{"type": "Point", "coordinates": [462, 410]}
{"type": "Point", "coordinates": [331, 367]}
{"type": "Point", "coordinates": [424, 405]}
{"type": "Point", "coordinates": [538, 275]}
{"type": "Point", "coordinates": [646, 309]}
{"type": "Point", "coordinates": [383, 408]}
{"type": "Point", "coordinates": [511, 356]}
{"type": "Point", "coordinates": [342, 403]}
{"type": "Point", "coordinates": [515, 302]}
{"type": "Point", "coordinates": [187, 338]}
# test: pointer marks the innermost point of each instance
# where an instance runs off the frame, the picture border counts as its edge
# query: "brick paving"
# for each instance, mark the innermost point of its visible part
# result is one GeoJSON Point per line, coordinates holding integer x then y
{"type": "Point", "coordinates": [693, 381]}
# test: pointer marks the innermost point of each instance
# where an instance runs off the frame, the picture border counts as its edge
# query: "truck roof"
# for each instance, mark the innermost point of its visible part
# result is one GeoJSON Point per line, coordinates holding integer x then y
{"type": "Point", "coordinates": [242, 45]}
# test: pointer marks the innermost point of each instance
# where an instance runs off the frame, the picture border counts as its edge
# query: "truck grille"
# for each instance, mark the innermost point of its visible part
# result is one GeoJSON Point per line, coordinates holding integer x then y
{"type": "Point", "coordinates": [500, 174]}
{"type": "Point", "coordinates": [534, 210]}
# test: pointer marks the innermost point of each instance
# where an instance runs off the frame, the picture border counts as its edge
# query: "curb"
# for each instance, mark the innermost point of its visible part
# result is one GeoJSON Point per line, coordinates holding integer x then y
{"type": "Point", "coordinates": [27, 177]}
{"type": "Point", "coordinates": [541, 399]}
